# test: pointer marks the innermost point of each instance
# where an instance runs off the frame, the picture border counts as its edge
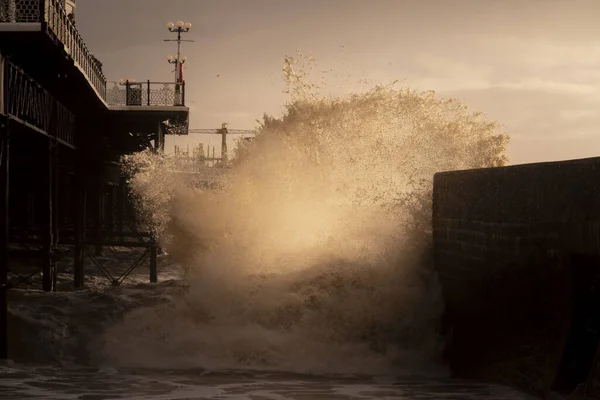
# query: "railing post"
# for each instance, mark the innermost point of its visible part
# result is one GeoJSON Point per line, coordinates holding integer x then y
{"type": "Point", "coordinates": [42, 11]}
{"type": "Point", "coordinates": [148, 92]}
{"type": "Point", "coordinates": [52, 8]}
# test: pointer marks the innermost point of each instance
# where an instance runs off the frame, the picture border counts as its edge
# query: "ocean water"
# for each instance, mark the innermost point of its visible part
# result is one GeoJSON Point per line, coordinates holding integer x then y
{"type": "Point", "coordinates": [52, 383]}
{"type": "Point", "coordinates": [306, 273]}
{"type": "Point", "coordinates": [63, 341]}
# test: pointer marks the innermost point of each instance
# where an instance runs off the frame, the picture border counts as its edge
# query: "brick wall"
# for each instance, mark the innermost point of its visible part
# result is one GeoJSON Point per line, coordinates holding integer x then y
{"type": "Point", "coordinates": [502, 240]}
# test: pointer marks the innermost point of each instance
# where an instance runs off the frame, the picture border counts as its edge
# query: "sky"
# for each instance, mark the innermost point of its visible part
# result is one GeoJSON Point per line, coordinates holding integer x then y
{"type": "Point", "coordinates": [532, 65]}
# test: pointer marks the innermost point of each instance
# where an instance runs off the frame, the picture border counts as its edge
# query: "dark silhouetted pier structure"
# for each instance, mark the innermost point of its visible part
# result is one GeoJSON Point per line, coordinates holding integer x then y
{"type": "Point", "coordinates": [63, 130]}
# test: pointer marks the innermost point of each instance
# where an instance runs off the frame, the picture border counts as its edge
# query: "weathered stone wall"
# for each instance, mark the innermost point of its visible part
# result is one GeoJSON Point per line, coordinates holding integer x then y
{"type": "Point", "coordinates": [502, 240]}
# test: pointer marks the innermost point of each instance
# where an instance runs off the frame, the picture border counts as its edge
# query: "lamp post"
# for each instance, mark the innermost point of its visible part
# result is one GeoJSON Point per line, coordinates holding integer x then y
{"type": "Point", "coordinates": [177, 60]}
{"type": "Point", "coordinates": [179, 28]}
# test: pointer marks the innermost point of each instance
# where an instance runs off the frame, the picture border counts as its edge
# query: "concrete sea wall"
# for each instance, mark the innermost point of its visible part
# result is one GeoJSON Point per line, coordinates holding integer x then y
{"type": "Point", "coordinates": [517, 253]}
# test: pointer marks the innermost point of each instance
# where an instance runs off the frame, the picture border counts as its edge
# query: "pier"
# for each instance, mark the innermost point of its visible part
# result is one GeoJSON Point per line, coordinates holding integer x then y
{"type": "Point", "coordinates": [63, 129]}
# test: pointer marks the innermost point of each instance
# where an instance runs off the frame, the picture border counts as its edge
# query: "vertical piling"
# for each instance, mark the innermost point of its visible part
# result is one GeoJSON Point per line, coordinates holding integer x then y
{"type": "Point", "coordinates": [80, 227]}
{"type": "Point", "coordinates": [159, 139]}
{"type": "Point", "coordinates": [121, 204]}
{"type": "Point", "coordinates": [55, 217]}
{"type": "Point", "coordinates": [110, 211]}
{"type": "Point", "coordinates": [98, 213]}
{"type": "Point", "coordinates": [48, 260]}
{"type": "Point", "coordinates": [4, 234]}
{"type": "Point", "coordinates": [153, 263]}
{"type": "Point", "coordinates": [159, 147]}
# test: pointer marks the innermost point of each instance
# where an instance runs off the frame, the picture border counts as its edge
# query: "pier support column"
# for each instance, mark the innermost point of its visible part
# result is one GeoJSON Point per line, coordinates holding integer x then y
{"type": "Point", "coordinates": [159, 139]}
{"type": "Point", "coordinates": [80, 226]}
{"type": "Point", "coordinates": [154, 263]}
{"type": "Point", "coordinates": [98, 214]}
{"type": "Point", "coordinates": [49, 215]}
{"type": "Point", "coordinates": [4, 234]}
{"type": "Point", "coordinates": [110, 211]}
{"type": "Point", "coordinates": [121, 205]}
{"type": "Point", "coordinates": [55, 212]}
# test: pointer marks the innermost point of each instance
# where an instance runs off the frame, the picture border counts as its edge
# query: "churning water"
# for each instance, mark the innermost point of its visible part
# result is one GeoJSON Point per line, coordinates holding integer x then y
{"type": "Point", "coordinates": [312, 254]}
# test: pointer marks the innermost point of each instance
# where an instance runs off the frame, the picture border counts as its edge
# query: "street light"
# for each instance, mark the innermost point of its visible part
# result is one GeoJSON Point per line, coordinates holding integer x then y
{"type": "Point", "coordinates": [178, 27]}
{"type": "Point", "coordinates": [175, 60]}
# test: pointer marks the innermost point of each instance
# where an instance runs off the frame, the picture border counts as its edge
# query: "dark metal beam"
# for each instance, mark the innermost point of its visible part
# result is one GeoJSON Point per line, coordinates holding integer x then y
{"type": "Point", "coordinates": [49, 234]}
{"type": "Point", "coordinates": [55, 208]}
{"type": "Point", "coordinates": [80, 222]}
{"type": "Point", "coordinates": [66, 233]}
{"type": "Point", "coordinates": [121, 205]}
{"type": "Point", "coordinates": [4, 232]}
{"type": "Point", "coordinates": [159, 139]}
{"type": "Point", "coordinates": [40, 131]}
{"type": "Point", "coordinates": [98, 212]}
{"type": "Point", "coordinates": [153, 263]}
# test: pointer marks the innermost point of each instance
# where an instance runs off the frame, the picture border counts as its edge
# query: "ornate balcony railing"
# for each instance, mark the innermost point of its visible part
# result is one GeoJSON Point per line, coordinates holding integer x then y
{"type": "Point", "coordinates": [165, 94]}
{"type": "Point", "coordinates": [23, 11]}
{"type": "Point", "coordinates": [27, 101]}
{"type": "Point", "coordinates": [54, 19]}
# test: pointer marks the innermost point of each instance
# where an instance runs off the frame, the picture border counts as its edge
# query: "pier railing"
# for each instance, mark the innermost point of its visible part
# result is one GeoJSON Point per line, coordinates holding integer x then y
{"type": "Point", "coordinates": [130, 93]}
{"type": "Point", "coordinates": [26, 101]}
{"type": "Point", "coordinates": [55, 21]}
{"type": "Point", "coordinates": [20, 11]}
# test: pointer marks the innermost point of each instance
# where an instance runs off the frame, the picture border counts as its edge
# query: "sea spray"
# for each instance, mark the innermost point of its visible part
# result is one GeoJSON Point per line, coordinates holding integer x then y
{"type": "Point", "coordinates": [313, 256]}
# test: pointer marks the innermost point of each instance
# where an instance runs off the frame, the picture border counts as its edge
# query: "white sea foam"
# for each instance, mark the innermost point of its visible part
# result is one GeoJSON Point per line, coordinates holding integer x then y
{"type": "Point", "coordinates": [313, 256]}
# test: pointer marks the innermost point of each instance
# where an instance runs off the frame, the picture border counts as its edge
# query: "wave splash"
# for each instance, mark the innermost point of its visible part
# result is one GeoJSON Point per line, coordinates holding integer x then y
{"type": "Point", "coordinates": [313, 254]}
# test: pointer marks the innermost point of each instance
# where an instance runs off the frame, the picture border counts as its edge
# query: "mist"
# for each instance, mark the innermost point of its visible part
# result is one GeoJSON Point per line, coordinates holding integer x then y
{"type": "Point", "coordinates": [313, 254]}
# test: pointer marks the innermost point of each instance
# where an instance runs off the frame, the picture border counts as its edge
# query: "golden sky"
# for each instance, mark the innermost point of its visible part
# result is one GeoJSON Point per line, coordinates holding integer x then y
{"type": "Point", "coordinates": [533, 65]}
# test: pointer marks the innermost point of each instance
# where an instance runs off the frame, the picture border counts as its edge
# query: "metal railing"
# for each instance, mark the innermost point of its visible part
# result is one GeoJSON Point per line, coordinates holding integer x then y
{"type": "Point", "coordinates": [21, 11]}
{"type": "Point", "coordinates": [27, 101]}
{"type": "Point", "coordinates": [58, 23]}
{"type": "Point", "coordinates": [53, 15]}
{"type": "Point", "coordinates": [147, 93]}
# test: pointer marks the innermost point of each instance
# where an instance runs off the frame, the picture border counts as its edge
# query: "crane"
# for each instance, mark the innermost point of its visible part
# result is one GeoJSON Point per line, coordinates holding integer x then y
{"type": "Point", "coordinates": [223, 131]}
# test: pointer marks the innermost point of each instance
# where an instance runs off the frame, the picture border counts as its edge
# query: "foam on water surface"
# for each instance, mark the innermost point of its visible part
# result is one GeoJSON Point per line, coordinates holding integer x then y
{"type": "Point", "coordinates": [47, 383]}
